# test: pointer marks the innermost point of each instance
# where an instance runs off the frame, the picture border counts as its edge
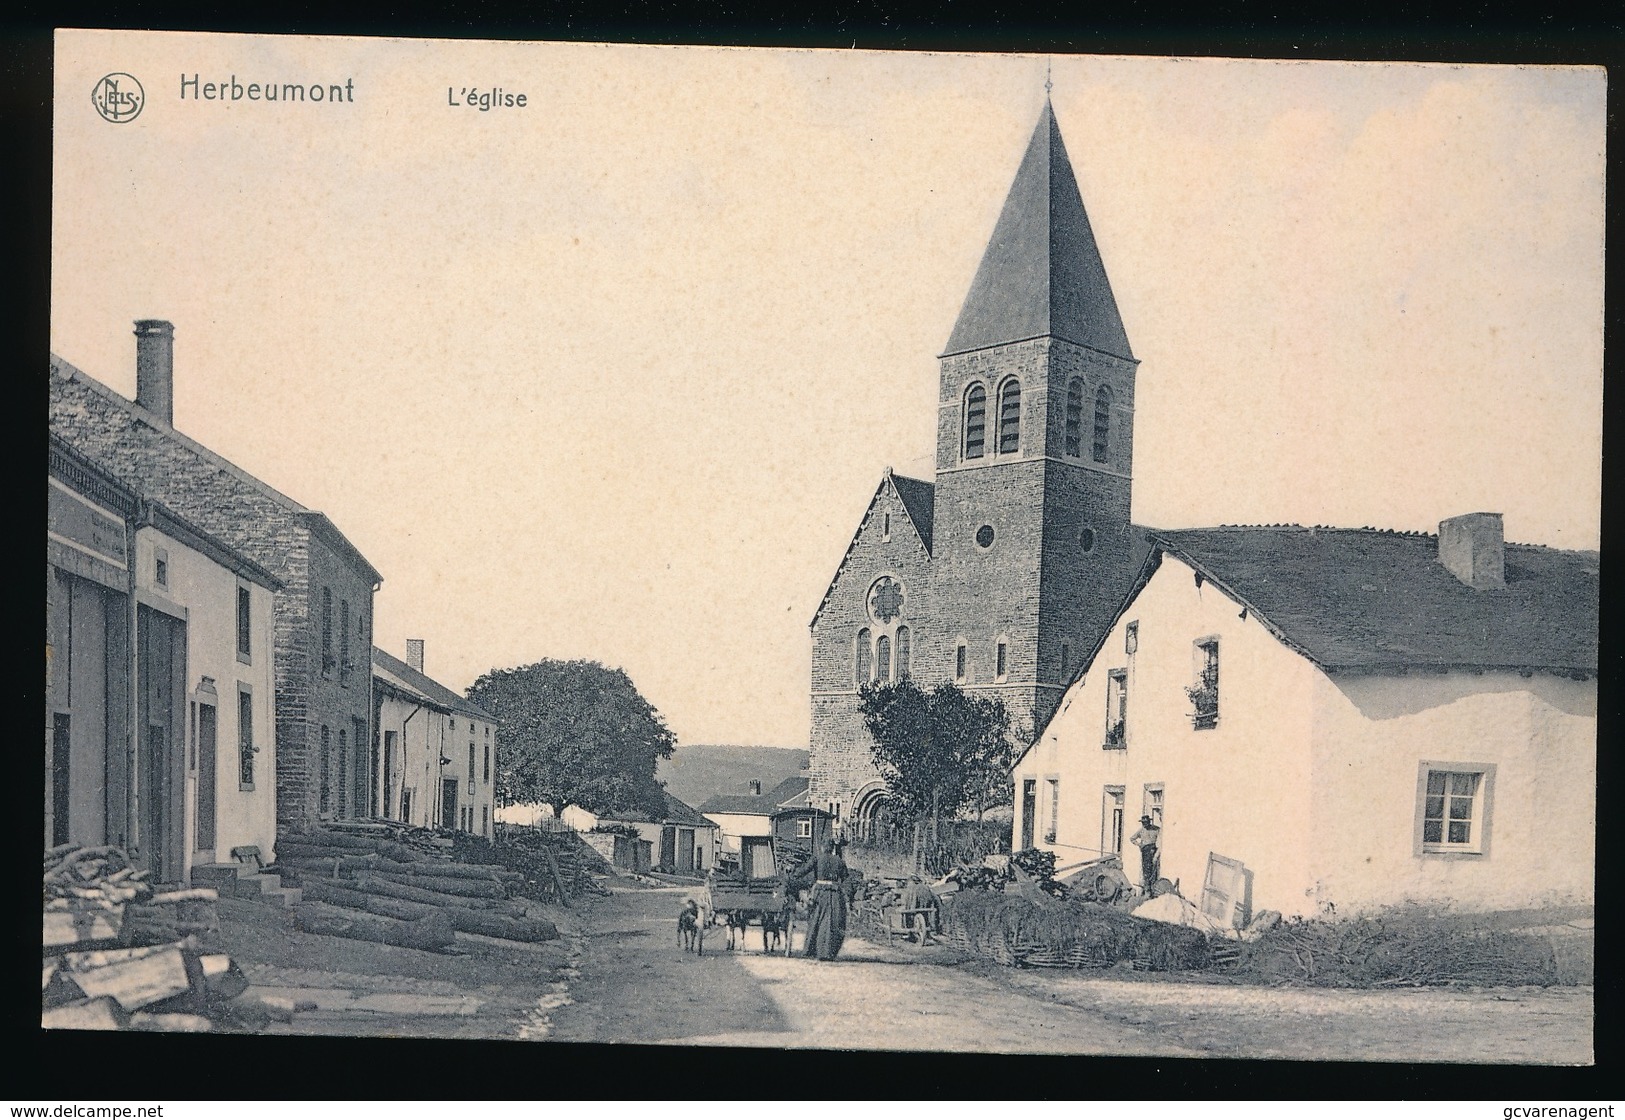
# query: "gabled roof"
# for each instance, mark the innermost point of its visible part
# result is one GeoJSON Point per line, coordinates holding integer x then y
{"type": "Point", "coordinates": [676, 812]}
{"type": "Point", "coordinates": [918, 501]}
{"type": "Point", "coordinates": [95, 433]}
{"type": "Point", "coordinates": [1041, 274]}
{"type": "Point", "coordinates": [788, 794]}
{"type": "Point", "coordinates": [398, 672]}
{"type": "Point", "coordinates": [1369, 601]}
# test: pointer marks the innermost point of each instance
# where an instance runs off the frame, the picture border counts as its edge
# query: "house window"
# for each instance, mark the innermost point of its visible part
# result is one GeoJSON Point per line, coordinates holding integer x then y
{"type": "Point", "coordinates": [1453, 808]}
{"type": "Point", "coordinates": [1153, 803]}
{"type": "Point", "coordinates": [485, 820]}
{"type": "Point", "coordinates": [864, 669]}
{"type": "Point", "coordinates": [883, 658]}
{"type": "Point", "coordinates": [245, 738]}
{"type": "Point", "coordinates": [975, 421]}
{"type": "Point", "coordinates": [1116, 708]}
{"type": "Point", "coordinates": [1204, 694]}
{"type": "Point", "coordinates": [160, 567]}
{"type": "Point", "coordinates": [960, 658]}
{"type": "Point", "coordinates": [486, 769]}
{"type": "Point", "coordinates": [1111, 821]}
{"type": "Point", "coordinates": [1010, 417]}
{"type": "Point", "coordinates": [1103, 422]}
{"type": "Point", "coordinates": [1074, 418]}
{"type": "Point", "coordinates": [1054, 809]}
{"type": "Point", "coordinates": [1000, 659]}
{"type": "Point", "coordinates": [905, 639]}
{"type": "Point", "coordinates": [325, 798]}
{"type": "Point", "coordinates": [245, 630]}
{"type": "Point", "coordinates": [1131, 637]}
{"type": "Point", "coordinates": [344, 641]}
{"type": "Point", "coordinates": [804, 828]}
{"type": "Point", "coordinates": [471, 764]}
{"type": "Point", "coordinates": [343, 807]}
{"type": "Point", "coordinates": [327, 631]}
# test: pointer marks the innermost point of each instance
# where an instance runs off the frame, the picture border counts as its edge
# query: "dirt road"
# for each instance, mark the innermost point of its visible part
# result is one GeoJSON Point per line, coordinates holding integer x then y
{"type": "Point", "coordinates": [634, 985]}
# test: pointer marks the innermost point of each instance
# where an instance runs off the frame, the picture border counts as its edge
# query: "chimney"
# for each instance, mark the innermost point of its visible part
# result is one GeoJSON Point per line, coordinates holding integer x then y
{"type": "Point", "coordinates": [414, 653]}
{"type": "Point", "coordinates": [155, 368]}
{"type": "Point", "coordinates": [1473, 548]}
{"type": "Point", "coordinates": [756, 789]}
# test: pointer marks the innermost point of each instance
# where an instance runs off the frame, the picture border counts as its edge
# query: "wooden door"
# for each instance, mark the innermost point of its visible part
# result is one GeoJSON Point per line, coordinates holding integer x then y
{"type": "Point", "coordinates": [207, 775]}
{"type": "Point", "coordinates": [668, 847]}
{"type": "Point", "coordinates": [448, 803]}
{"type": "Point", "coordinates": [685, 849]}
{"type": "Point", "coordinates": [1029, 809]}
{"type": "Point", "coordinates": [161, 664]}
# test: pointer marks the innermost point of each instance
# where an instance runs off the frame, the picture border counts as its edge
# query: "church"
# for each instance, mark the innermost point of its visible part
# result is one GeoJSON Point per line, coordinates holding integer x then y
{"type": "Point", "coordinates": [1003, 571]}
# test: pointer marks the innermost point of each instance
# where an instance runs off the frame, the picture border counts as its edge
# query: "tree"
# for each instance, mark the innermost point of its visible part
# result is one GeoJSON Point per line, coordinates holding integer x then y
{"type": "Point", "coordinates": [938, 751]}
{"type": "Point", "coordinates": [575, 733]}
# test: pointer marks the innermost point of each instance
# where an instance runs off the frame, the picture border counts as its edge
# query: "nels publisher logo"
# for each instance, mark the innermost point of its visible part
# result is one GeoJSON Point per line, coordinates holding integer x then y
{"type": "Point", "coordinates": [118, 98]}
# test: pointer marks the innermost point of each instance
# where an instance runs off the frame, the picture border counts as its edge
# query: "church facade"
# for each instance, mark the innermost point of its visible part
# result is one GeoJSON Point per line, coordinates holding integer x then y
{"type": "Point", "coordinates": [1002, 572]}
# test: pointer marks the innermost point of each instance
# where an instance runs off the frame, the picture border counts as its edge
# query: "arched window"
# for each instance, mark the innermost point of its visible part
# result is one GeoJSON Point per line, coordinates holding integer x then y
{"type": "Point", "coordinates": [865, 664]}
{"type": "Point", "coordinates": [904, 640]}
{"type": "Point", "coordinates": [1103, 421]}
{"type": "Point", "coordinates": [883, 658]}
{"type": "Point", "coordinates": [1074, 418]}
{"type": "Point", "coordinates": [1010, 417]}
{"type": "Point", "coordinates": [975, 421]}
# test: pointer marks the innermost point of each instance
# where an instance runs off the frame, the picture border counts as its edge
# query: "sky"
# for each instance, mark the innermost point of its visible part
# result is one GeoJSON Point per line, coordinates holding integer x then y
{"type": "Point", "coordinates": [614, 375]}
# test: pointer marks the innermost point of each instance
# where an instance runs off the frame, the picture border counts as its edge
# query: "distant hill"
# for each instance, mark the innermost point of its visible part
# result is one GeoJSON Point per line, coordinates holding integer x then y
{"type": "Point", "coordinates": [697, 773]}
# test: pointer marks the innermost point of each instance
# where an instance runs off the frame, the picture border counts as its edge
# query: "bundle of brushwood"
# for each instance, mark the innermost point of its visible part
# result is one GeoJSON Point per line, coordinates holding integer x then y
{"type": "Point", "coordinates": [122, 955]}
{"type": "Point", "coordinates": [1031, 929]}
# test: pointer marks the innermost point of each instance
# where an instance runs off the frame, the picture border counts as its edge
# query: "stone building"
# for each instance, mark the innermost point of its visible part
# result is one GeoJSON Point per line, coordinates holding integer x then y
{"type": "Point", "coordinates": [1002, 571]}
{"type": "Point", "coordinates": [323, 610]}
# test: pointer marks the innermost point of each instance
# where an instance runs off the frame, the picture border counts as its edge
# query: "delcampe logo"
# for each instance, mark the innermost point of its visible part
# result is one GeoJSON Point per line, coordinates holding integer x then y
{"type": "Point", "coordinates": [118, 98]}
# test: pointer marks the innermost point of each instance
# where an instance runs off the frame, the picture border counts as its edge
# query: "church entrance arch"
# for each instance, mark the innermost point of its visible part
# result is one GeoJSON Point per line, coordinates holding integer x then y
{"type": "Point", "coordinates": [872, 814]}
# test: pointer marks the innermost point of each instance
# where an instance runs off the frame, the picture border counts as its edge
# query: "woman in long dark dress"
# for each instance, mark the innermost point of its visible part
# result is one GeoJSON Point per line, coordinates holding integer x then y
{"type": "Point", "coordinates": [826, 915]}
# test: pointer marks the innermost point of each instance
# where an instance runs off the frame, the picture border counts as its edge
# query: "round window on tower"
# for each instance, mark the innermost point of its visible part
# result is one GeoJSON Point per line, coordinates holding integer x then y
{"type": "Point", "coordinates": [1086, 539]}
{"type": "Point", "coordinates": [984, 536]}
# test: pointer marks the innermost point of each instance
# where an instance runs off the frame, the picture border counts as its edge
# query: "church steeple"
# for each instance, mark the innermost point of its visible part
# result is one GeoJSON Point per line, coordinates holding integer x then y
{"type": "Point", "coordinates": [1041, 275]}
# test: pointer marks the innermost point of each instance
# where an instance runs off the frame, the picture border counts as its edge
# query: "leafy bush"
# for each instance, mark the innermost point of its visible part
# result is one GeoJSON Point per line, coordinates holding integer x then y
{"type": "Point", "coordinates": [1036, 863]}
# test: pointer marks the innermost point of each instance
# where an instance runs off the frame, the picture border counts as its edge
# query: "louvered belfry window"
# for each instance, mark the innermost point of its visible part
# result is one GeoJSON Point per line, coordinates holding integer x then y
{"type": "Point", "coordinates": [1103, 422]}
{"type": "Point", "coordinates": [975, 422]}
{"type": "Point", "coordinates": [1074, 418]}
{"type": "Point", "coordinates": [1010, 418]}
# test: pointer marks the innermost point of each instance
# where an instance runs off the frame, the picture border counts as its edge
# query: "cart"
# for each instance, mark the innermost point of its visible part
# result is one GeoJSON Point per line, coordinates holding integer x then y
{"type": "Point", "coordinates": [737, 902]}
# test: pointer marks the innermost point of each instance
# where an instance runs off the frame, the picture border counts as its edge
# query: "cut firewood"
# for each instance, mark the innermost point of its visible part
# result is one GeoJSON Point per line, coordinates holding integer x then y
{"type": "Point", "coordinates": [134, 977]}
{"type": "Point", "coordinates": [513, 928]}
{"type": "Point", "coordinates": [467, 888]}
{"type": "Point", "coordinates": [174, 1021]}
{"type": "Point", "coordinates": [432, 932]}
{"type": "Point", "coordinates": [390, 888]}
{"type": "Point", "coordinates": [101, 1014]}
{"type": "Point", "coordinates": [84, 927]}
{"type": "Point", "coordinates": [191, 894]}
{"type": "Point", "coordinates": [222, 979]}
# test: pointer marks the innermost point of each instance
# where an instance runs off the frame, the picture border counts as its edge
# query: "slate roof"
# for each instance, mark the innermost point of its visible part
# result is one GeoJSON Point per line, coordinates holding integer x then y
{"type": "Point", "coordinates": [919, 500]}
{"type": "Point", "coordinates": [1370, 601]}
{"type": "Point", "coordinates": [425, 686]}
{"type": "Point", "coordinates": [101, 423]}
{"type": "Point", "coordinates": [677, 812]}
{"type": "Point", "coordinates": [1042, 273]}
{"type": "Point", "coordinates": [793, 789]}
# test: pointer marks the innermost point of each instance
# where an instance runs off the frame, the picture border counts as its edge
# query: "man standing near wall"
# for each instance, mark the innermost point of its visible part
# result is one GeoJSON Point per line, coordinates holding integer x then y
{"type": "Point", "coordinates": [1149, 840]}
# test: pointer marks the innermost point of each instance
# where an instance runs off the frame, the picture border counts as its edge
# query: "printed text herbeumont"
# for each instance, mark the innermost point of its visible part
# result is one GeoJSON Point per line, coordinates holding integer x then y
{"type": "Point", "coordinates": [195, 89]}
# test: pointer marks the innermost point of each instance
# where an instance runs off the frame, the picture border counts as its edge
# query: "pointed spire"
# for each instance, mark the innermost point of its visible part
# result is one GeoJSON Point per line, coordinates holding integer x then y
{"type": "Point", "coordinates": [1041, 274]}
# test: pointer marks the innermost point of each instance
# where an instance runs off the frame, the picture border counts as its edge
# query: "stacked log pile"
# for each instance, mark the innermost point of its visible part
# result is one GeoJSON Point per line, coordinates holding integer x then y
{"type": "Point", "coordinates": [383, 884]}
{"type": "Point", "coordinates": [120, 954]}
